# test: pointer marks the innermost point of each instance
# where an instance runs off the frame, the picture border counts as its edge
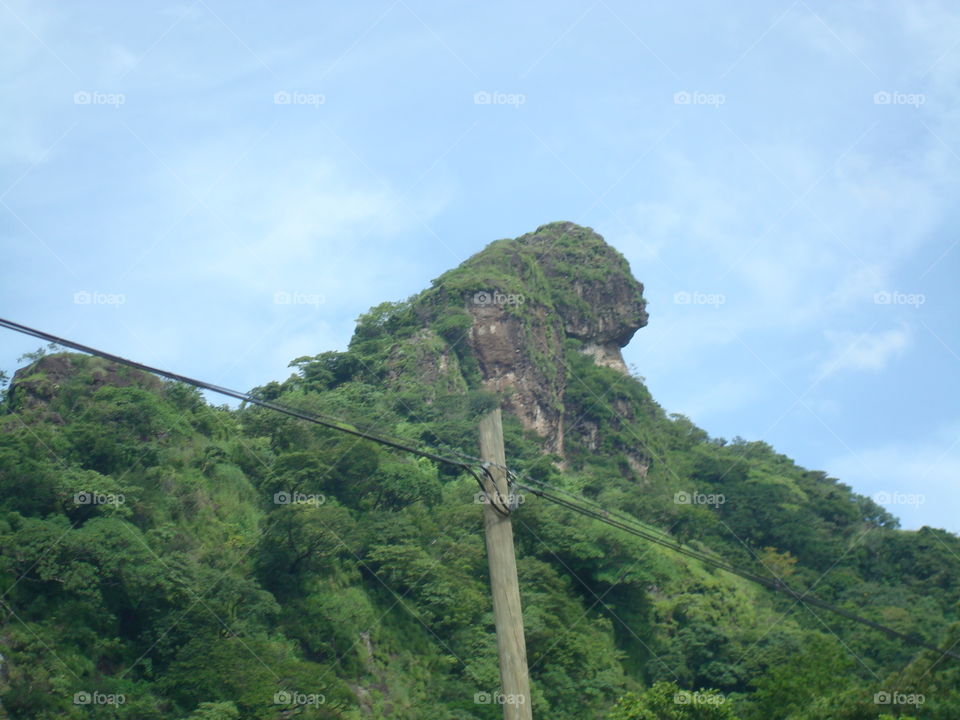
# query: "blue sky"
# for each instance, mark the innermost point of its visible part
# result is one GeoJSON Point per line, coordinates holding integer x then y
{"type": "Point", "coordinates": [781, 175]}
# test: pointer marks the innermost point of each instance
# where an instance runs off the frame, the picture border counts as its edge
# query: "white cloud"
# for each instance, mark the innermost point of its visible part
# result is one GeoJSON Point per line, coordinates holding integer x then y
{"type": "Point", "coordinates": [863, 351]}
{"type": "Point", "coordinates": [314, 227]}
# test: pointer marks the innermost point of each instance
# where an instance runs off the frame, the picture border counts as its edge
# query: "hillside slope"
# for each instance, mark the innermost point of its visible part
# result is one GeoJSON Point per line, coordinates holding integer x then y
{"type": "Point", "coordinates": [153, 565]}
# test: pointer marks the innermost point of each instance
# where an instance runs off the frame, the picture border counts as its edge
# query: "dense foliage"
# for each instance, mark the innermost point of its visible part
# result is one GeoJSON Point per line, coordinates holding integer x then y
{"type": "Point", "coordinates": [162, 558]}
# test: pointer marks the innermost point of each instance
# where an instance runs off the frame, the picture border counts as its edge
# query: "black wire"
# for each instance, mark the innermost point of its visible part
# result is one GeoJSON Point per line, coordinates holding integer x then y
{"type": "Point", "coordinates": [775, 584]}
{"type": "Point", "coordinates": [504, 509]}
{"type": "Point", "coordinates": [624, 522]}
{"type": "Point", "coordinates": [580, 498]}
{"type": "Point", "coordinates": [328, 422]}
{"type": "Point", "coordinates": [501, 508]}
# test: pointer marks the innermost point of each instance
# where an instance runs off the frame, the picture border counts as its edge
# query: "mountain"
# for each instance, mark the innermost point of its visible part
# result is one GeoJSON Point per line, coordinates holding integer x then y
{"type": "Point", "coordinates": [164, 558]}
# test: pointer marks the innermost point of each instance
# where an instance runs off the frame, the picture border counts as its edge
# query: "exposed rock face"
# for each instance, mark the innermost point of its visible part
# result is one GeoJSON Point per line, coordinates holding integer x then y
{"type": "Point", "coordinates": [599, 300]}
{"type": "Point", "coordinates": [525, 297]}
{"type": "Point", "coordinates": [608, 355]}
{"type": "Point", "coordinates": [500, 342]}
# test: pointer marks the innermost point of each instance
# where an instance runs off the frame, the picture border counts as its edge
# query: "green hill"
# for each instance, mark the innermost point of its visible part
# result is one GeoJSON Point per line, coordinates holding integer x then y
{"type": "Point", "coordinates": [161, 558]}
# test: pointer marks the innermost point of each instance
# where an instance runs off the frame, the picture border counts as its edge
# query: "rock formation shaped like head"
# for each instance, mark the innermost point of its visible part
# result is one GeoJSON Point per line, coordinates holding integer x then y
{"type": "Point", "coordinates": [522, 299]}
{"type": "Point", "coordinates": [593, 289]}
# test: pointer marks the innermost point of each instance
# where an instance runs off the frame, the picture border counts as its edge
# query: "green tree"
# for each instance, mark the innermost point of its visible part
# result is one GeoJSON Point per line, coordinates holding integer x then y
{"type": "Point", "coordinates": [215, 711]}
{"type": "Point", "coordinates": [665, 701]}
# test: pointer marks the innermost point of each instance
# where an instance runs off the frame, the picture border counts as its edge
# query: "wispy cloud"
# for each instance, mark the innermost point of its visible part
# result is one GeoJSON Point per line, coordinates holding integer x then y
{"type": "Point", "coordinates": [867, 351]}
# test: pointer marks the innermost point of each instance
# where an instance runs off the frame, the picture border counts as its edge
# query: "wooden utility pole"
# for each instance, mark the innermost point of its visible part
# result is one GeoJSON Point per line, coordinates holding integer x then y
{"type": "Point", "coordinates": [514, 681]}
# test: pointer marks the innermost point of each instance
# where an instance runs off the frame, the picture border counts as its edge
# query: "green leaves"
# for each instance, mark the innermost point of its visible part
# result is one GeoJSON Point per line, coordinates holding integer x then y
{"type": "Point", "coordinates": [666, 701]}
{"type": "Point", "coordinates": [203, 560]}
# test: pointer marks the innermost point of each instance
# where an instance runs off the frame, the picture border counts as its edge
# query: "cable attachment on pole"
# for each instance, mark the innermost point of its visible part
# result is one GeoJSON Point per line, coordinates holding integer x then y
{"type": "Point", "coordinates": [496, 500]}
{"type": "Point", "coordinates": [514, 499]}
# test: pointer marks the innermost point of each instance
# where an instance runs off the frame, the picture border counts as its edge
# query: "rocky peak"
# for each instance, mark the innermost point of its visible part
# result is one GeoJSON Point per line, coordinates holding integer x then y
{"type": "Point", "coordinates": [593, 290]}
{"type": "Point", "coordinates": [520, 299]}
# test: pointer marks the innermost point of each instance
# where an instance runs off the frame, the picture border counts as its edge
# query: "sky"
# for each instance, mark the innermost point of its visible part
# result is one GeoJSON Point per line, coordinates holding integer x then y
{"type": "Point", "coordinates": [218, 188]}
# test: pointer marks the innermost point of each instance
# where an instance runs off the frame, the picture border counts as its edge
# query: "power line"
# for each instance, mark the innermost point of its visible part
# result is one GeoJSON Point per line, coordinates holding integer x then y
{"type": "Point", "coordinates": [613, 519]}
{"type": "Point", "coordinates": [579, 504]}
{"type": "Point", "coordinates": [316, 418]}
